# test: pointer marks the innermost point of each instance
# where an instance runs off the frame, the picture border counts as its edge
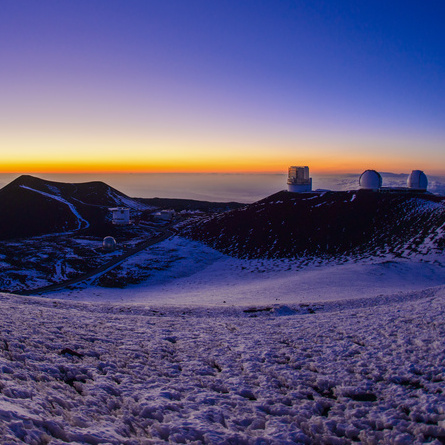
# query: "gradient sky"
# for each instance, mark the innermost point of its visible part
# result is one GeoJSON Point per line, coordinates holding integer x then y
{"type": "Point", "coordinates": [224, 85]}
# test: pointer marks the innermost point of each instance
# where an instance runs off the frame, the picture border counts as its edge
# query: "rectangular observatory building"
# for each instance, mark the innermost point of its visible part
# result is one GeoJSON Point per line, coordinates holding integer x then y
{"type": "Point", "coordinates": [298, 179]}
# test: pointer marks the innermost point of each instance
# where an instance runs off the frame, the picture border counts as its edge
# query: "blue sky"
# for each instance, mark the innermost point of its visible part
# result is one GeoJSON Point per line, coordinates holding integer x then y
{"type": "Point", "coordinates": [222, 85]}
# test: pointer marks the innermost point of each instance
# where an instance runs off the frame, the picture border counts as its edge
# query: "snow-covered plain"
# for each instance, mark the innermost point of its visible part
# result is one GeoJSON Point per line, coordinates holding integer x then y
{"type": "Point", "coordinates": [211, 349]}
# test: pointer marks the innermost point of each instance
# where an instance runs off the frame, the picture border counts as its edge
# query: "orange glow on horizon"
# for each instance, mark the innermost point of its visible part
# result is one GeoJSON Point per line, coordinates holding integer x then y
{"type": "Point", "coordinates": [218, 157]}
{"type": "Point", "coordinates": [247, 167]}
{"type": "Point", "coordinates": [99, 153]}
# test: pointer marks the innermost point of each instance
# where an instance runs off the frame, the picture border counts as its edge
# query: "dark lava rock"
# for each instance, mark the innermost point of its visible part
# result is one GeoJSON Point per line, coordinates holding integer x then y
{"type": "Point", "coordinates": [328, 224]}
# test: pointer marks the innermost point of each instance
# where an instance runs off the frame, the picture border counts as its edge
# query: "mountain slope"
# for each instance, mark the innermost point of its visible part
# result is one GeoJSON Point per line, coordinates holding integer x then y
{"type": "Point", "coordinates": [328, 224]}
{"type": "Point", "coordinates": [33, 206]}
{"type": "Point", "coordinates": [180, 204]}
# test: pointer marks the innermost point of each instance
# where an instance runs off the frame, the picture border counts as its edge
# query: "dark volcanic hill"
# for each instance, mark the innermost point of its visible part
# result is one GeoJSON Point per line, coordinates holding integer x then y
{"type": "Point", "coordinates": [31, 206]}
{"type": "Point", "coordinates": [179, 204]}
{"type": "Point", "coordinates": [291, 225]}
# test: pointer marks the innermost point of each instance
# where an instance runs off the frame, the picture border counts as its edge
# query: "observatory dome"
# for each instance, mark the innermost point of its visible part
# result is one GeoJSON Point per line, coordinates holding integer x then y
{"type": "Point", "coordinates": [417, 180]}
{"type": "Point", "coordinates": [370, 179]}
{"type": "Point", "coordinates": [109, 243]}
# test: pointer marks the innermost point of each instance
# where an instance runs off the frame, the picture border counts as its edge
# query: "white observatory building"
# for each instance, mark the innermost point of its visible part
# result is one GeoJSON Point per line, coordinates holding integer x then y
{"type": "Point", "coordinates": [298, 180]}
{"type": "Point", "coordinates": [370, 180]}
{"type": "Point", "coordinates": [121, 216]}
{"type": "Point", "coordinates": [417, 180]}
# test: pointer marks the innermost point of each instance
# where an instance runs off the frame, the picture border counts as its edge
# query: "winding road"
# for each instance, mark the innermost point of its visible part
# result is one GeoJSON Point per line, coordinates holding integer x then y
{"type": "Point", "coordinates": [166, 232]}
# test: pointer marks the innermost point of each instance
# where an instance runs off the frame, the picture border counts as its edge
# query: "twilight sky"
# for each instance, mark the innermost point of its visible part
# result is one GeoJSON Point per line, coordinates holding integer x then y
{"type": "Point", "coordinates": [223, 85]}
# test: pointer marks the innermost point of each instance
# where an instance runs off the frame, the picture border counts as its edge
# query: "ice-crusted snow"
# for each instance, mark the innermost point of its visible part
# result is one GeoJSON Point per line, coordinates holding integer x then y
{"type": "Point", "coordinates": [129, 374]}
{"type": "Point", "coordinates": [216, 350]}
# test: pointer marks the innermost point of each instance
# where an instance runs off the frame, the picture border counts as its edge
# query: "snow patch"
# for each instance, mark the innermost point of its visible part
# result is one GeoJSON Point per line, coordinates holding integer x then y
{"type": "Point", "coordinates": [81, 222]}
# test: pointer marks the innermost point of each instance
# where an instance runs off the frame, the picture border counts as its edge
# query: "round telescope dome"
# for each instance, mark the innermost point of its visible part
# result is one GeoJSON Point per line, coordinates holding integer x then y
{"type": "Point", "coordinates": [109, 243]}
{"type": "Point", "coordinates": [417, 180]}
{"type": "Point", "coordinates": [370, 179]}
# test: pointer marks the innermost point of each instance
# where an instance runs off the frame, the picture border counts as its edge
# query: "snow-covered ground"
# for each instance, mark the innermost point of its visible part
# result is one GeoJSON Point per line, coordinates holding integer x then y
{"type": "Point", "coordinates": [183, 272]}
{"type": "Point", "coordinates": [210, 349]}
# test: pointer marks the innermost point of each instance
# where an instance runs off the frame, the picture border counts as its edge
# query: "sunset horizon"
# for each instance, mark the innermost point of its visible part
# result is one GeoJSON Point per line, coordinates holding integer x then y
{"type": "Point", "coordinates": [222, 222]}
{"type": "Point", "coordinates": [221, 166]}
{"type": "Point", "coordinates": [199, 87]}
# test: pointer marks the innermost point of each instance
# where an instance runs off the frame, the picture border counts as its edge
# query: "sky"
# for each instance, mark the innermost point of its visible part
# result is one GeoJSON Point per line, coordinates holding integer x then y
{"type": "Point", "coordinates": [222, 86]}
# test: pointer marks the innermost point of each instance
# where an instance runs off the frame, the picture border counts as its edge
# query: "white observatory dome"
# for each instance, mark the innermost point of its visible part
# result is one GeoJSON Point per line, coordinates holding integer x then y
{"type": "Point", "coordinates": [417, 180]}
{"type": "Point", "coordinates": [370, 179]}
{"type": "Point", "coordinates": [109, 243]}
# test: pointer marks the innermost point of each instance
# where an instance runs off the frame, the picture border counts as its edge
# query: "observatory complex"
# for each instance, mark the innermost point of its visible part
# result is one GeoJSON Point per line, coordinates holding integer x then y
{"type": "Point", "coordinates": [372, 180]}
{"type": "Point", "coordinates": [298, 179]}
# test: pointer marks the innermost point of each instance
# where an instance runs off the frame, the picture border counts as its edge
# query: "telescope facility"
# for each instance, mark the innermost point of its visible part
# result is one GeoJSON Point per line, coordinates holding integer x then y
{"type": "Point", "coordinates": [298, 179]}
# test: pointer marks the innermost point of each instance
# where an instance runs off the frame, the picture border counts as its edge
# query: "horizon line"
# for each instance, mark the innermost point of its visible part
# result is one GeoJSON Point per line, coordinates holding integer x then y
{"type": "Point", "coordinates": [114, 172]}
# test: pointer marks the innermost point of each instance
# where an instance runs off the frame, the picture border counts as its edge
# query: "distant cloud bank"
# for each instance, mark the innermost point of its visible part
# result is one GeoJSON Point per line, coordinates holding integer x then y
{"type": "Point", "coordinates": [245, 188]}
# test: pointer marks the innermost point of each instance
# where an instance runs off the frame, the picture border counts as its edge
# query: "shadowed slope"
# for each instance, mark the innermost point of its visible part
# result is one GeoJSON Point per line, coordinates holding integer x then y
{"type": "Point", "coordinates": [330, 223]}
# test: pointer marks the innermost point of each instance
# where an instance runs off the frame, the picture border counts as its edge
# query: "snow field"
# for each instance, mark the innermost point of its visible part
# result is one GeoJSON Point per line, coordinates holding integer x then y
{"type": "Point", "coordinates": [363, 370]}
{"type": "Point", "coordinates": [183, 272]}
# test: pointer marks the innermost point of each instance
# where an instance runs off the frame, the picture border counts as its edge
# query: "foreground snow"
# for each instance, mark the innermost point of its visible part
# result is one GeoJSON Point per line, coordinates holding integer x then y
{"type": "Point", "coordinates": [369, 370]}
{"type": "Point", "coordinates": [211, 349]}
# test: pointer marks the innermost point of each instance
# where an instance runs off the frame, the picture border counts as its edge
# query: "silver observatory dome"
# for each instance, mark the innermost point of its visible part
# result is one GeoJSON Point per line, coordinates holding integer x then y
{"type": "Point", "coordinates": [417, 180]}
{"type": "Point", "coordinates": [370, 180]}
{"type": "Point", "coordinates": [109, 243]}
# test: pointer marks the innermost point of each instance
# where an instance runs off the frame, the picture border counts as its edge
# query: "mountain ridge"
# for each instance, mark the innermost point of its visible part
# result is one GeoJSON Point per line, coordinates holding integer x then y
{"type": "Point", "coordinates": [31, 206]}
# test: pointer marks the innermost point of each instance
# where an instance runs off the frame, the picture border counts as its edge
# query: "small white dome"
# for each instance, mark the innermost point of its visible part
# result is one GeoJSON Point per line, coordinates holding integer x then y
{"type": "Point", "coordinates": [417, 180]}
{"type": "Point", "coordinates": [109, 243]}
{"type": "Point", "coordinates": [370, 179]}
